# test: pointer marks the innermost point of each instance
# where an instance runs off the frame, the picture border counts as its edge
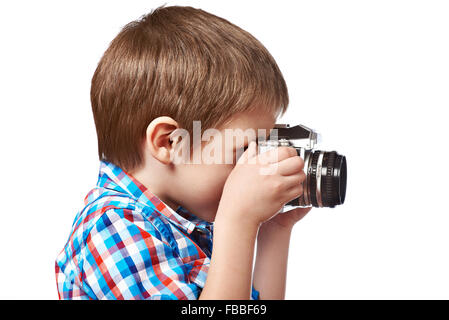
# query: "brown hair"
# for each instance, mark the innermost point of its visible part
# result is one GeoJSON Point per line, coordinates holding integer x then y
{"type": "Point", "coordinates": [184, 63]}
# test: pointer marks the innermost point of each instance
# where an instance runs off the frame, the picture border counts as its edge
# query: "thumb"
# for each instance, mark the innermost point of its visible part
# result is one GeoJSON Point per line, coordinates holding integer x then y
{"type": "Point", "coordinates": [249, 153]}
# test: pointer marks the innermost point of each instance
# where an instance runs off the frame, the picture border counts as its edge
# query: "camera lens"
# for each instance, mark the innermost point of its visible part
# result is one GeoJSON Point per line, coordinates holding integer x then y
{"type": "Point", "coordinates": [326, 179]}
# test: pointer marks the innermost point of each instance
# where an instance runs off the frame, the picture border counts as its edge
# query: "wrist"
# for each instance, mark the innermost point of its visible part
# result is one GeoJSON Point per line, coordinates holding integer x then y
{"type": "Point", "coordinates": [238, 218]}
{"type": "Point", "coordinates": [272, 229]}
{"type": "Point", "coordinates": [274, 226]}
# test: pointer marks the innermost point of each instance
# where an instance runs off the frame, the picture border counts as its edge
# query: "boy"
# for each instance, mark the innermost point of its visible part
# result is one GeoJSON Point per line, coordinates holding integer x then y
{"type": "Point", "coordinates": [147, 228]}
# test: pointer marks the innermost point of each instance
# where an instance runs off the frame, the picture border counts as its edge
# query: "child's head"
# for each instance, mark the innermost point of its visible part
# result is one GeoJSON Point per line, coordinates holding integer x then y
{"type": "Point", "coordinates": [174, 66]}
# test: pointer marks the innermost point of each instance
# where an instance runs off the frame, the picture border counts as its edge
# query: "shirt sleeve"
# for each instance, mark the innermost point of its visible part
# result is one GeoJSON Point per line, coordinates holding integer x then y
{"type": "Point", "coordinates": [254, 294]}
{"type": "Point", "coordinates": [127, 258]}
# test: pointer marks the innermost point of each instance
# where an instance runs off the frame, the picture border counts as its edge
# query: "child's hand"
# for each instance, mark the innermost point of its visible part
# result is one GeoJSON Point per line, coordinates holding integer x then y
{"type": "Point", "coordinates": [286, 220]}
{"type": "Point", "coordinates": [260, 185]}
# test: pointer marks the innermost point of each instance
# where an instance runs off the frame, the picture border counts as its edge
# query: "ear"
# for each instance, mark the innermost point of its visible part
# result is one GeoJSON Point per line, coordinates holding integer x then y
{"type": "Point", "coordinates": [158, 138]}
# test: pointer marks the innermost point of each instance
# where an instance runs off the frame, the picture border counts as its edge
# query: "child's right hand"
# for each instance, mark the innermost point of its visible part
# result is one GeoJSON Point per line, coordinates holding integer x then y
{"type": "Point", "coordinates": [259, 185]}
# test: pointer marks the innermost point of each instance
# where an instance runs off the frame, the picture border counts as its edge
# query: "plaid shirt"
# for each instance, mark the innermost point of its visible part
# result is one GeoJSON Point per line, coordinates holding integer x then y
{"type": "Point", "coordinates": [127, 244]}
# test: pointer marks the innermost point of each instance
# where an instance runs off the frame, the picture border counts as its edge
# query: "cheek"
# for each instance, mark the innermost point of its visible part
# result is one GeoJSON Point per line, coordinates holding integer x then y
{"type": "Point", "coordinates": [206, 182]}
{"type": "Point", "coordinates": [213, 178]}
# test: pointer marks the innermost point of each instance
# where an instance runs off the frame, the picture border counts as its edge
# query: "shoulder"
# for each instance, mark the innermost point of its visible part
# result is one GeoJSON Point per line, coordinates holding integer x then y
{"type": "Point", "coordinates": [119, 215]}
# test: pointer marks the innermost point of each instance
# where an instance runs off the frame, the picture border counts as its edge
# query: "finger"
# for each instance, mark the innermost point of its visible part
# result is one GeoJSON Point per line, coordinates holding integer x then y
{"type": "Point", "coordinates": [294, 192]}
{"type": "Point", "coordinates": [249, 153]}
{"type": "Point", "coordinates": [291, 166]}
{"type": "Point", "coordinates": [276, 155]}
{"type": "Point", "coordinates": [294, 180]}
{"type": "Point", "coordinates": [252, 149]}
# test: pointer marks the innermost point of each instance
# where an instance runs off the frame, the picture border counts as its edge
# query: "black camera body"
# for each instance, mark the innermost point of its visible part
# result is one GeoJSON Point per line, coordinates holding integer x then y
{"type": "Point", "coordinates": [326, 173]}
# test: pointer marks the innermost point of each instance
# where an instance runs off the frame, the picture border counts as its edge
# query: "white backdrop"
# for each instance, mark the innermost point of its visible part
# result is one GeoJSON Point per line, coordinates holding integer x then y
{"type": "Point", "coordinates": [371, 76]}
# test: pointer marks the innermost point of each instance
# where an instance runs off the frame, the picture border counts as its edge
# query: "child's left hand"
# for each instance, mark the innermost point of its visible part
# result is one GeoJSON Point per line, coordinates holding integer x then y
{"type": "Point", "coordinates": [287, 220]}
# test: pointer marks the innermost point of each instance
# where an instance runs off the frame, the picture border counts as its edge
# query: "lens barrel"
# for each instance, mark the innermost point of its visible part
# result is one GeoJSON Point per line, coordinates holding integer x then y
{"type": "Point", "coordinates": [325, 184]}
{"type": "Point", "coordinates": [327, 178]}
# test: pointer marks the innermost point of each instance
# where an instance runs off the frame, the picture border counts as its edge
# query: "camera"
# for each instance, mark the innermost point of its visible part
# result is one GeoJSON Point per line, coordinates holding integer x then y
{"type": "Point", "coordinates": [325, 183]}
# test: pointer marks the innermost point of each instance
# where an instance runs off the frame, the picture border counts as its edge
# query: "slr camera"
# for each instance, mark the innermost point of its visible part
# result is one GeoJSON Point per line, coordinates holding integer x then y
{"type": "Point", "coordinates": [325, 183]}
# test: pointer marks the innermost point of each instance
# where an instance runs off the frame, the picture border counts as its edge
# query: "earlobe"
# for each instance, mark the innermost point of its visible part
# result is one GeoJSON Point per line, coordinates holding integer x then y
{"type": "Point", "coordinates": [158, 139]}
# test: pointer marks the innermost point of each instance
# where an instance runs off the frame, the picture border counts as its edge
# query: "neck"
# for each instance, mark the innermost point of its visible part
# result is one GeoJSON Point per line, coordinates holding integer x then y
{"type": "Point", "coordinates": [151, 180]}
{"type": "Point", "coordinates": [160, 180]}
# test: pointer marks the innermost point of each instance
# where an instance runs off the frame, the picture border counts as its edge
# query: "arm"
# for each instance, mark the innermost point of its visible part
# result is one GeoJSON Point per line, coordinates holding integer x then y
{"type": "Point", "coordinates": [272, 254]}
{"type": "Point", "coordinates": [270, 271]}
{"type": "Point", "coordinates": [248, 199]}
{"type": "Point", "coordinates": [230, 271]}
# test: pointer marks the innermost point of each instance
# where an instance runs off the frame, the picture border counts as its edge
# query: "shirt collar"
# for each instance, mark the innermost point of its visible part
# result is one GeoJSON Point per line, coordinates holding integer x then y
{"type": "Point", "coordinates": [114, 178]}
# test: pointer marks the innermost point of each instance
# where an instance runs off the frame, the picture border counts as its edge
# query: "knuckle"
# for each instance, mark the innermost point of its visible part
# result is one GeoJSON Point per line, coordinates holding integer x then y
{"type": "Point", "coordinates": [293, 151]}
{"type": "Point", "coordinates": [294, 193]}
{"type": "Point", "coordinates": [283, 152]}
{"type": "Point", "coordinates": [299, 162]}
{"type": "Point", "coordinates": [299, 189]}
{"type": "Point", "coordinates": [276, 186]}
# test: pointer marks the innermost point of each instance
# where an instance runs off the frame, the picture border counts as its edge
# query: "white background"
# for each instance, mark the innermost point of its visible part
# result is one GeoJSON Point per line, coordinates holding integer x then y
{"type": "Point", "coordinates": [371, 76]}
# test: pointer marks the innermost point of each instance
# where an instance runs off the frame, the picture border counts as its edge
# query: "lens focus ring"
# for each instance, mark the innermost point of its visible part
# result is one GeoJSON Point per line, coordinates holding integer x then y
{"type": "Point", "coordinates": [332, 183]}
{"type": "Point", "coordinates": [329, 192]}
